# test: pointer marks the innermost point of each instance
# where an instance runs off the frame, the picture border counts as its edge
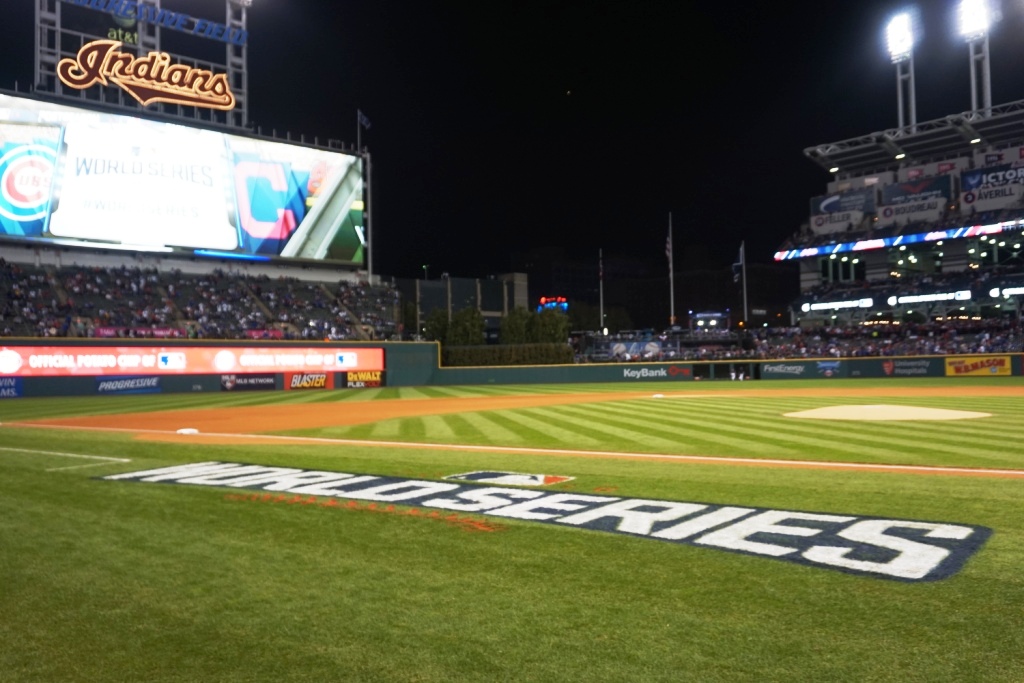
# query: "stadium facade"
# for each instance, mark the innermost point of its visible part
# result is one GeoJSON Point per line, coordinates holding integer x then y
{"type": "Point", "coordinates": [922, 222]}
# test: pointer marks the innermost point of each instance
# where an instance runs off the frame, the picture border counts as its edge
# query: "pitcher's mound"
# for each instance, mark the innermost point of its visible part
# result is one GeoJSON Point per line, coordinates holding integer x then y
{"type": "Point", "coordinates": [884, 412]}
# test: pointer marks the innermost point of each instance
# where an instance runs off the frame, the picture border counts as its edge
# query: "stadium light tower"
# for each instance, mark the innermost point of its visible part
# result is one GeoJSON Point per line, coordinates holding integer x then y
{"type": "Point", "coordinates": [974, 17]}
{"type": "Point", "coordinates": [899, 37]}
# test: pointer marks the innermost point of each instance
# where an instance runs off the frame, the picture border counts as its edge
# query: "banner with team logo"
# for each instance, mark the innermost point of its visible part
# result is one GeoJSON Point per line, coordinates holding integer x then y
{"type": "Point", "coordinates": [28, 158]}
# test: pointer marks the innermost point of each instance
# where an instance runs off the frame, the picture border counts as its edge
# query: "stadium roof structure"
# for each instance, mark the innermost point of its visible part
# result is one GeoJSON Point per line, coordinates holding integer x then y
{"type": "Point", "coordinates": [935, 140]}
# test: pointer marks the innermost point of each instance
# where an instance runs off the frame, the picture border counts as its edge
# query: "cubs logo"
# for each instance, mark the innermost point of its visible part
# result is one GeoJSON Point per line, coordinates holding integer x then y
{"type": "Point", "coordinates": [25, 175]}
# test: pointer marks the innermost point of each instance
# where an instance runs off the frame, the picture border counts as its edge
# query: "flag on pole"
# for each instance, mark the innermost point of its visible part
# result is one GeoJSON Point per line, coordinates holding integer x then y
{"type": "Point", "coordinates": [668, 246]}
{"type": "Point", "coordinates": [737, 268]}
{"type": "Point", "coordinates": [600, 264]}
{"type": "Point", "coordinates": [363, 121]}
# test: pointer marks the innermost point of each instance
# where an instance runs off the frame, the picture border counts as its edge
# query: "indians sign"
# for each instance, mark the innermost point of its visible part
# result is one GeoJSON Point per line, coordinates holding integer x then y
{"type": "Point", "coordinates": [148, 79]}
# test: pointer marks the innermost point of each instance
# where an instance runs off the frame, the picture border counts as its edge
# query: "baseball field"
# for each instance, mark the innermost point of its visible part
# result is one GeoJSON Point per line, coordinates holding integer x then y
{"type": "Point", "coordinates": [852, 530]}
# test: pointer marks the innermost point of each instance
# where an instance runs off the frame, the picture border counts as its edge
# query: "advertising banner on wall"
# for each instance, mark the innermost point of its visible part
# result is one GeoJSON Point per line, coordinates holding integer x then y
{"type": "Point", "coordinates": [308, 380]}
{"type": "Point", "coordinates": [261, 382]}
{"type": "Point", "coordinates": [938, 187]}
{"type": "Point", "coordinates": [842, 210]}
{"type": "Point", "coordinates": [896, 367]}
{"type": "Point", "coordinates": [364, 379]}
{"type": "Point", "coordinates": [925, 211]}
{"type": "Point", "coordinates": [128, 385]}
{"type": "Point", "coordinates": [991, 188]}
{"type": "Point", "coordinates": [978, 366]}
{"type": "Point", "coordinates": [72, 176]}
{"type": "Point", "coordinates": [64, 361]}
{"type": "Point", "coordinates": [991, 198]}
{"type": "Point", "coordinates": [862, 200]}
{"type": "Point", "coordinates": [12, 387]}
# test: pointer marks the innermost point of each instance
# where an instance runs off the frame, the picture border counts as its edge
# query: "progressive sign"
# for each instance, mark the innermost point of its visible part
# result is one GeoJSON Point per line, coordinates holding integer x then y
{"type": "Point", "coordinates": [898, 549]}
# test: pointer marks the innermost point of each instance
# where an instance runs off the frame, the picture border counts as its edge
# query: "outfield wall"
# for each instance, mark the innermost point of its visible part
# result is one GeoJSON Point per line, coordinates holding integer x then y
{"type": "Point", "coordinates": [34, 367]}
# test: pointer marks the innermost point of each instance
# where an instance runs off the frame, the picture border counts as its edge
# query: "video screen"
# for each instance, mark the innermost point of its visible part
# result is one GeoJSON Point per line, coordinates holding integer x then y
{"type": "Point", "coordinates": [76, 177]}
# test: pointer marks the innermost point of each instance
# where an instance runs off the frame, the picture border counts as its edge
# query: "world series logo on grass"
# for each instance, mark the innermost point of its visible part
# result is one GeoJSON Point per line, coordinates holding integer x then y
{"type": "Point", "coordinates": [904, 550]}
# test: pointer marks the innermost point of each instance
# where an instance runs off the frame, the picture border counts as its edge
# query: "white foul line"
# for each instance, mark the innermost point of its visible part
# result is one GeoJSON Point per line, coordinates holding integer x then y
{"type": "Point", "coordinates": [707, 459]}
{"type": "Point", "coordinates": [67, 455]}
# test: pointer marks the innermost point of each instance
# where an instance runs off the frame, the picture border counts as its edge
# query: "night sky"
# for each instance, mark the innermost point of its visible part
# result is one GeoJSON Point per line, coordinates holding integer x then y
{"type": "Point", "coordinates": [501, 126]}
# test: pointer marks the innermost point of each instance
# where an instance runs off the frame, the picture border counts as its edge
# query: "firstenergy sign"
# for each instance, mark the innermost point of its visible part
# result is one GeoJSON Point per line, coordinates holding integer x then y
{"type": "Point", "coordinates": [905, 550]}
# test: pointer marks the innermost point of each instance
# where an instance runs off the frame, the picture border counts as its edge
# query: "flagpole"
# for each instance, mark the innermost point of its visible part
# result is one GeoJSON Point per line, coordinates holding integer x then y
{"type": "Point", "coordinates": [671, 276]}
{"type": "Point", "coordinates": [359, 132]}
{"type": "Point", "coordinates": [743, 264]}
{"type": "Point", "coordinates": [600, 277]}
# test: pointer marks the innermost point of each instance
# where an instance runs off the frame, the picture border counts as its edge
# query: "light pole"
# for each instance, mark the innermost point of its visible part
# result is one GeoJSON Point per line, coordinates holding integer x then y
{"type": "Point", "coordinates": [426, 271]}
{"type": "Point", "coordinates": [974, 18]}
{"type": "Point", "coordinates": [899, 36]}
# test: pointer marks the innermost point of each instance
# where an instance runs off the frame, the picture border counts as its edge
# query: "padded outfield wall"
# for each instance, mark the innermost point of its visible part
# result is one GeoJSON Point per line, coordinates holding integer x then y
{"type": "Point", "coordinates": [72, 367]}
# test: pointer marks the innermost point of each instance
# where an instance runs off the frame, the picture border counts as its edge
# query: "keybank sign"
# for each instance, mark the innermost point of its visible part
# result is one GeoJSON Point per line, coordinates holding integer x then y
{"type": "Point", "coordinates": [644, 373]}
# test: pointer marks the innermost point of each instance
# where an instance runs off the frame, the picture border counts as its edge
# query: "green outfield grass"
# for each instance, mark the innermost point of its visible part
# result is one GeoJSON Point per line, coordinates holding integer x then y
{"type": "Point", "coordinates": [124, 581]}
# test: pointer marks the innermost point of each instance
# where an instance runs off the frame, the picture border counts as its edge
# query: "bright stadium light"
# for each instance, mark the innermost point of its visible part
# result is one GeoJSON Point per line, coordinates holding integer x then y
{"type": "Point", "coordinates": [834, 169]}
{"type": "Point", "coordinates": [899, 36]}
{"type": "Point", "coordinates": [973, 19]}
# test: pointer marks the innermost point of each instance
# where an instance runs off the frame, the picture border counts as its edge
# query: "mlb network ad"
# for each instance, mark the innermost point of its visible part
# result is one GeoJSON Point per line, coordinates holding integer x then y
{"type": "Point", "coordinates": [76, 177]}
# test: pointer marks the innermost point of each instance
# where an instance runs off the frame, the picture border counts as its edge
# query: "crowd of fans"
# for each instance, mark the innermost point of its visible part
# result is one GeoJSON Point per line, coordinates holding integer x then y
{"type": "Point", "coordinates": [74, 301]}
{"type": "Point", "coordinates": [135, 302]}
{"type": "Point", "coordinates": [945, 337]}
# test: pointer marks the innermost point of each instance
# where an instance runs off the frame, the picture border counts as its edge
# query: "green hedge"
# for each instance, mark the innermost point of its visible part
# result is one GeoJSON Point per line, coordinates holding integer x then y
{"type": "Point", "coordinates": [506, 354]}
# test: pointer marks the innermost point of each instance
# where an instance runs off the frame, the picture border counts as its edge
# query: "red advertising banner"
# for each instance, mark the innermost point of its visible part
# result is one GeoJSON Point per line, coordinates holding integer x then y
{"type": "Point", "coordinates": [63, 361]}
{"type": "Point", "coordinates": [308, 380]}
{"type": "Point", "coordinates": [159, 332]}
{"type": "Point", "coordinates": [265, 334]}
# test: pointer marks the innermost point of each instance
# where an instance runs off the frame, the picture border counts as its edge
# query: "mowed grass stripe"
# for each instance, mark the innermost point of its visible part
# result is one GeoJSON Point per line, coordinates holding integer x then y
{"type": "Point", "coordinates": [412, 429]}
{"type": "Point", "coordinates": [732, 435]}
{"type": "Point", "coordinates": [385, 430]}
{"type": "Point", "coordinates": [468, 432]}
{"type": "Point", "coordinates": [981, 429]}
{"type": "Point", "coordinates": [626, 433]}
{"type": "Point", "coordinates": [549, 423]}
{"type": "Point", "coordinates": [438, 429]}
{"type": "Point", "coordinates": [887, 439]}
{"type": "Point", "coordinates": [491, 431]}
